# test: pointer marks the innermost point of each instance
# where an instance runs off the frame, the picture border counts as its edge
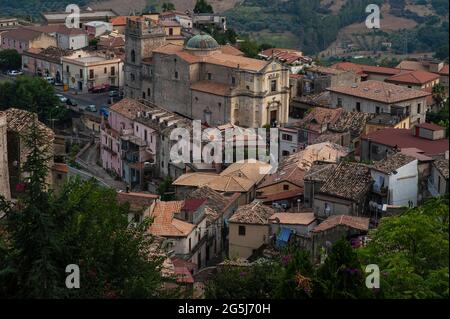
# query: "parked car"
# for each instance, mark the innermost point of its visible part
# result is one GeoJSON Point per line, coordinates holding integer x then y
{"type": "Point", "coordinates": [14, 73]}
{"type": "Point", "coordinates": [71, 102]}
{"type": "Point", "coordinates": [49, 79]}
{"type": "Point", "coordinates": [91, 108]}
{"type": "Point", "coordinates": [61, 97]}
{"type": "Point", "coordinates": [104, 111]}
{"type": "Point", "coordinates": [99, 88]}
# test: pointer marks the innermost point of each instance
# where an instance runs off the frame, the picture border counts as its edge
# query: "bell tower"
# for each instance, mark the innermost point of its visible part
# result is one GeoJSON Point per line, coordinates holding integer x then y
{"type": "Point", "coordinates": [142, 36]}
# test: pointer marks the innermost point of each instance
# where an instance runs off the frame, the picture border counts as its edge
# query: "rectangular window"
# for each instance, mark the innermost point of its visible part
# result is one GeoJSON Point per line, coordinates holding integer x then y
{"type": "Point", "coordinates": [377, 110]}
{"type": "Point", "coordinates": [209, 76]}
{"type": "Point", "coordinates": [176, 74]}
{"type": "Point", "coordinates": [339, 102]}
{"type": "Point", "coordinates": [105, 70]}
{"type": "Point", "coordinates": [113, 71]}
{"type": "Point", "coordinates": [419, 106]}
{"type": "Point", "coordinates": [233, 80]}
{"type": "Point", "coordinates": [285, 187]}
{"type": "Point", "coordinates": [81, 73]}
{"type": "Point", "coordinates": [91, 74]}
{"type": "Point", "coordinates": [241, 230]}
{"type": "Point", "coordinates": [273, 85]}
{"type": "Point", "coordinates": [145, 135]}
{"type": "Point", "coordinates": [358, 106]}
{"type": "Point", "coordinates": [286, 137]}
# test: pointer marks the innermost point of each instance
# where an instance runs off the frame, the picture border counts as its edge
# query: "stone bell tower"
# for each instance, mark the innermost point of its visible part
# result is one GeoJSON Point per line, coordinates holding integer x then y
{"type": "Point", "coordinates": [142, 36]}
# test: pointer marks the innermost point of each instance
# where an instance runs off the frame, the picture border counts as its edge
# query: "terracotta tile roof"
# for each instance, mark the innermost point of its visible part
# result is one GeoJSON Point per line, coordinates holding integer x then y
{"type": "Point", "coordinates": [212, 88]}
{"type": "Point", "coordinates": [380, 91]}
{"type": "Point", "coordinates": [169, 23]}
{"type": "Point", "coordinates": [288, 173]}
{"type": "Point", "coordinates": [231, 50]}
{"type": "Point", "coordinates": [284, 55]}
{"type": "Point", "coordinates": [214, 199]}
{"type": "Point", "coordinates": [192, 204]}
{"type": "Point", "coordinates": [254, 213]}
{"type": "Point", "coordinates": [354, 122]}
{"type": "Point", "coordinates": [360, 223]}
{"type": "Point", "coordinates": [404, 138]}
{"type": "Point", "coordinates": [293, 218]}
{"type": "Point", "coordinates": [22, 34]}
{"type": "Point", "coordinates": [49, 54]}
{"type": "Point", "coordinates": [413, 77]}
{"type": "Point", "coordinates": [20, 121]}
{"type": "Point", "coordinates": [348, 66]}
{"type": "Point", "coordinates": [431, 126]}
{"type": "Point", "coordinates": [236, 62]}
{"type": "Point", "coordinates": [444, 70]}
{"type": "Point", "coordinates": [411, 65]}
{"type": "Point", "coordinates": [247, 169]}
{"type": "Point", "coordinates": [281, 196]}
{"type": "Point", "coordinates": [363, 69]}
{"type": "Point", "coordinates": [320, 172]}
{"type": "Point", "coordinates": [128, 108]}
{"type": "Point", "coordinates": [392, 163]}
{"type": "Point", "coordinates": [137, 201]}
{"type": "Point", "coordinates": [218, 58]}
{"type": "Point", "coordinates": [442, 166]}
{"type": "Point", "coordinates": [111, 42]}
{"type": "Point", "coordinates": [318, 119]}
{"type": "Point", "coordinates": [165, 224]}
{"type": "Point", "coordinates": [416, 153]}
{"type": "Point", "coordinates": [238, 177]}
{"type": "Point", "coordinates": [349, 181]}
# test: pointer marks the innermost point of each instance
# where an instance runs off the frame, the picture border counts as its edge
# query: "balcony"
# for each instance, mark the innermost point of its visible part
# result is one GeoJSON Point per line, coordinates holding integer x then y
{"type": "Point", "coordinates": [130, 157]}
{"type": "Point", "coordinates": [109, 150]}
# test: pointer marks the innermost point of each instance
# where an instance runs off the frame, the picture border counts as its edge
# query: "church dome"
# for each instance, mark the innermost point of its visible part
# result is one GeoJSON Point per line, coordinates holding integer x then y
{"type": "Point", "coordinates": [202, 41]}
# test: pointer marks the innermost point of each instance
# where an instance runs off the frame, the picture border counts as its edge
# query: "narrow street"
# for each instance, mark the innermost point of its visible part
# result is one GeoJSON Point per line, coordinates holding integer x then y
{"type": "Point", "coordinates": [88, 160]}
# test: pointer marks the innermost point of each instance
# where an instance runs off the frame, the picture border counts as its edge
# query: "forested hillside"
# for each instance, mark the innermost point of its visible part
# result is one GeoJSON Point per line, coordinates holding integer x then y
{"type": "Point", "coordinates": [25, 8]}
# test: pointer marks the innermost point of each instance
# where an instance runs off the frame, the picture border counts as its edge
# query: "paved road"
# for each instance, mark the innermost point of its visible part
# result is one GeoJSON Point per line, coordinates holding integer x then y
{"type": "Point", "coordinates": [85, 99]}
{"type": "Point", "coordinates": [88, 160]}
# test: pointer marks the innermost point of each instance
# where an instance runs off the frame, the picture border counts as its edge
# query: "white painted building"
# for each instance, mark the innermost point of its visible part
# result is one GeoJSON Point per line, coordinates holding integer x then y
{"type": "Point", "coordinates": [377, 97]}
{"type": "Point", "coordinates": [396, 180]}
{"type": "Point", "coordinates": [71, 39]}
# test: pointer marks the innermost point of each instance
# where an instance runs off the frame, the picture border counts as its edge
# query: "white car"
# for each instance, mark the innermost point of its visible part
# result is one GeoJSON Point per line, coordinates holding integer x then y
{"type": "Point", "coordinates": [61, 97]}
{"type": "Point", "coordinates": [15, 73]}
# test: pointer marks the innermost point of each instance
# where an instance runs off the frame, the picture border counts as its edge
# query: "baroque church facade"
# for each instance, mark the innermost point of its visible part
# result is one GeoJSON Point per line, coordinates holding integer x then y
{"type": "Point", "coordinates": [203, 80]}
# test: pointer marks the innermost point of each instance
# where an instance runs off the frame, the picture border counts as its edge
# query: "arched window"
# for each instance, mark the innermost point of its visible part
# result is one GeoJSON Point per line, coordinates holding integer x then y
{"type": "Point", "coordinates": [133, 56]}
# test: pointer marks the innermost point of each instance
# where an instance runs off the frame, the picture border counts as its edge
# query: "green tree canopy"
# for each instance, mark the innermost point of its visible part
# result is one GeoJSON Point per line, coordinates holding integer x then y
{"type": "Point", "coordinates": [83, 225]}
{"type": "Point", "coordinates": [27, 91]}
{"type": "Point", "coordinates": [202, 6]}
{"type": "Point", "coordinates": [10, 59]}
{"type": "Point", "coordinates": [412, 252]}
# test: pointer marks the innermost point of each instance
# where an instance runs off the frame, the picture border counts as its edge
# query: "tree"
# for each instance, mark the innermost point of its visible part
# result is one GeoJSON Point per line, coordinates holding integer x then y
{"type": "Point", "coordinates": [412, 252]}
{"type": "Point", "coordinates": [258, 281]}
{"type": "Point", "coordinates": [438, 92]}
{"type": "Point", "coordinates": [341, 274]}
{"type": "Point", "coordinates": [26, 91]}
{"type": "Point", "coordinates": [10, 59]}
{"type": "Point", "coordinates": [168, 6]}
{"type": "Point", "coordinates": [202, 6]}
{"type": "Point", "coordinates": [83, 225]}
{"type": "Point", "coordinates": [250, 48]}
{"type": "Point", "coordinates": [164, 188]}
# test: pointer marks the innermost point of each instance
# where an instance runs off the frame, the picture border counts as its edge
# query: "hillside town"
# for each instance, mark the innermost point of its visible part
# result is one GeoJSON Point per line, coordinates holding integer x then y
{"type": "Point", "coordinates": [349, 144]}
